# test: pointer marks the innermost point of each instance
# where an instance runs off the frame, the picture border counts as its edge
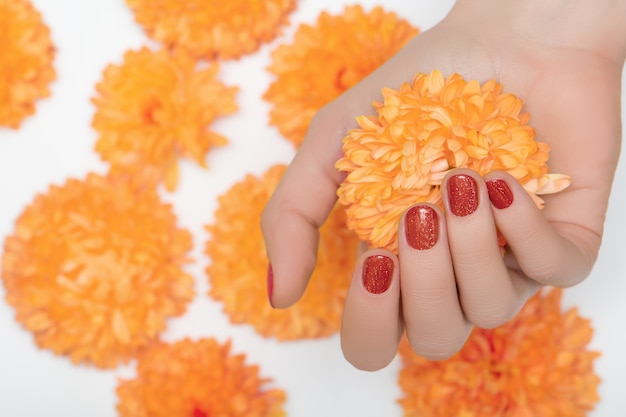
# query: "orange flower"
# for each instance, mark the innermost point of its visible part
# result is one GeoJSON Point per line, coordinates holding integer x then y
{"type": "Point", "coordinates": [93, 269]}
{"type": "Point", "coordinates": [26, 61]}
{"type": "Point", "coordinates": [536, 365]}
{"type": "Point", "coordinates": [424, 130]}
{"type": "Point", "coordinates": [212, 29]}
{"type": "Point", "coordinates": [154, 109]}
{"type": "Point", "coordinates": [326, 59]}
{"type": "Point", "coordinates": [238, 268]}
{"type": "Point", "coordinates": [197, 379]}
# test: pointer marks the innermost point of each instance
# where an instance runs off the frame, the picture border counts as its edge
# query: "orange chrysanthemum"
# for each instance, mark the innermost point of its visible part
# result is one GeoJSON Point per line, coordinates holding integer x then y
{"type": "Point", "coordinates": [326, 59]}
{"type": "Point", "coordinates": [197, 379]}
{"type": "Point", "coordinates": [238, 268]}
{"type": "Point", "coordinates": [155, 108]}
{"type": "Point", "coordinates": [94, 269]}
{"type": "Point", "coordinates": [211, 29]}
{"type": "Point", "coordinates": [26, 61]}
{"type": "Point", "coordinates": [536, 365]}
{"type": "Point", "coordinates": [427, 128]}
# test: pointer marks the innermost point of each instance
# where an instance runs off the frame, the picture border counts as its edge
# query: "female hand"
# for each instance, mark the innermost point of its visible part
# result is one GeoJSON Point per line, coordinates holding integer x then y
{"type": "Point", "coordinates": [564, 61]}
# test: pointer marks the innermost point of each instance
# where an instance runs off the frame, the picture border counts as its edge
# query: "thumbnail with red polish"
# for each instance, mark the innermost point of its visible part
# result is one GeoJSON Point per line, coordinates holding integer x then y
{"type": "Point", "coordinates": [421, 227]}
{"type": "Point", "coordinates": [377, 273]}
{"type": "Point", "coordinates": [270, 283]}
{"type": "Point", "coordinates": [500, 194]}
{"type": "Point", "coordinates": [462, 195]}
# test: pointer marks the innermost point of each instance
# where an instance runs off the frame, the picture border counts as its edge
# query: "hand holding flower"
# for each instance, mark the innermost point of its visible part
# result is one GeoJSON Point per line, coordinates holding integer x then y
{"type": "Point", "coordinates": [569, 81]}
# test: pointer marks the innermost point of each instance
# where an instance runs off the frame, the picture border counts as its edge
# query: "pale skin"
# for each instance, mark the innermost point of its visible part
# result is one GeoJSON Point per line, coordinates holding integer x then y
{"type": "Point", "coordinates": [564, 60]}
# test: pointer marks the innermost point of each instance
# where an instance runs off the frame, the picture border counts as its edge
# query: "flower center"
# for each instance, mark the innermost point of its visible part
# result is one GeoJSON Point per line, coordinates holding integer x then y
{"type": "Point", "coordinates": [199, 413]}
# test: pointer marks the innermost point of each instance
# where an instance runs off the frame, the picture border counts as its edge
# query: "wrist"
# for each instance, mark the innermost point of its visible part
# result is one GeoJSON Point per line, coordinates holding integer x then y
{"type": "Point", "coordinates": [593, 25]}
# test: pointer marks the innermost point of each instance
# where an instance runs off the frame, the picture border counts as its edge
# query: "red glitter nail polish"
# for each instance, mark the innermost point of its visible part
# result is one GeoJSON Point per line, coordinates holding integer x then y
{"type": "Point", "coordinates": [462, 194]}
{"type": "Point", "coordinates": [270, 283]}
{"type": "Point", "coordinates": [500, 194]}
{"type": "Point", "coordinates": [421, 227]}
{"type": "Point", "coordinates": [377, 273]}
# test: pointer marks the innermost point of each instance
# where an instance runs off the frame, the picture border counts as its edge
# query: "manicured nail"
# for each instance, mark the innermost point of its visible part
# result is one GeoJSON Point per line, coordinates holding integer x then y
{"type": "Point", "coordinates": [270, 283]}
{"type": "Point", "coordinates": [421, 227]}
{"type": "Point", "coordinates": [463, 194]}
{"type": "Point", "coordinates": [500, 194]}
{"type": "Point", "coordinates": [377, 273]}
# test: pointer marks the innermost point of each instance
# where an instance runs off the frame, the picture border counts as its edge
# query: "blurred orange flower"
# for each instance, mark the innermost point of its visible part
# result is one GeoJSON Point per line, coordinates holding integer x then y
{"type": "Point", "coordinates": [94, 269]}
{"type": "Point", "coordinates": [326, 59]}
{"type": "Point", "coordinates": [212, 29]}
{"type": "Point", "coordinates": [197, 379]}
{"type": "Point", "coordinates": [536, 365]}
{"type": "Point", "coordinates": [155, 108]}
{"type": "Point", "coordinates": [238, 268]}
{"type": "Point", "coordinates": [26, 61]}
{"type": "Point", "coordinates": [427, 128]}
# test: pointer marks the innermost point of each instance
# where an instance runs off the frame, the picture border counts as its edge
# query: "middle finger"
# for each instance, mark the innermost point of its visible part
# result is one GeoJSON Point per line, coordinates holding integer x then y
{"type": "Point", "coordinates": [487, 293]}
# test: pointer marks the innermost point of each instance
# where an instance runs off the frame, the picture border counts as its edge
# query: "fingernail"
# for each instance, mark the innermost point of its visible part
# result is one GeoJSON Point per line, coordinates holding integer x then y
{"type": "Point", "coordinates": [270, 283]}
{"type": "Point", "coordinates": [500, 194]}
{"type": "Point", "coordinates": [377, 273]}
{"type": "Point", "coordinates": [421, 227]}
{"type": "Point", "coordinates": [462, 194]}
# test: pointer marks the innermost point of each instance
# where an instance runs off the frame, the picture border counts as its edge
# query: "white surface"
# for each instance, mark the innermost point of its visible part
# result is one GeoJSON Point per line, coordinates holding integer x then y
{"type": "Point", "coordinates": [57, 143]}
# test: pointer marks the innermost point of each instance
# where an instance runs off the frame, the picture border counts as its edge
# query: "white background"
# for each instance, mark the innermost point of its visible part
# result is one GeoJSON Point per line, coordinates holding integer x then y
{"type": "Point", "coordinates": [57, 143]}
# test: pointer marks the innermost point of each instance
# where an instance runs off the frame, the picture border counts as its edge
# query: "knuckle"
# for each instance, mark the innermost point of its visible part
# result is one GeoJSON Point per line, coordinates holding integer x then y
{"type": "Point", "coordinates": [491, 316]}
{"type": "Point", "coordinates": [437, 348]}
{"type": "Point", "coordinates": [545, 271]}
